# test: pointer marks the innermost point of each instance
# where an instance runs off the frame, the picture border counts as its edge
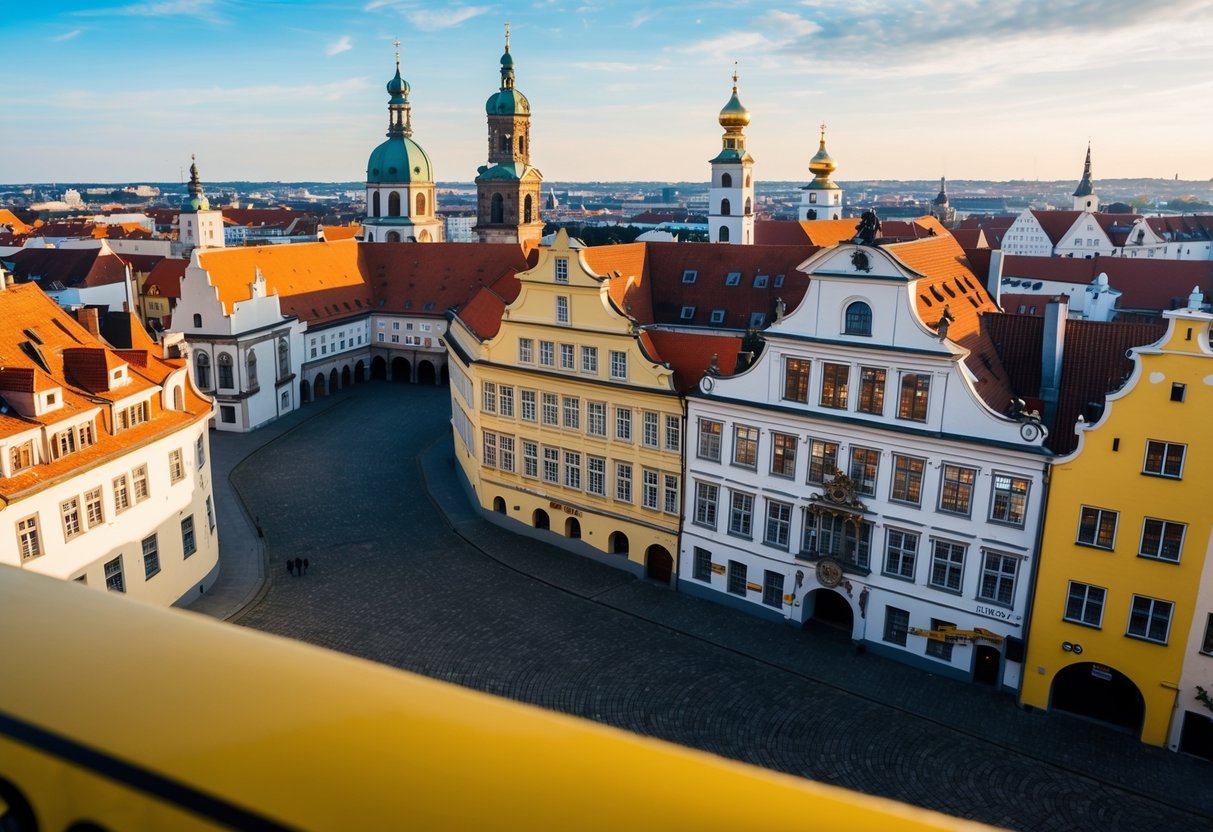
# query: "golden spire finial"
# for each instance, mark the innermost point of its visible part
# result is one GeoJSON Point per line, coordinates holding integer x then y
{"type": "Point", "coordinates": [397, 45]}
{"type": "Point", "coordinates": [507, 36]}
{"type": "Point", "coordinates": [734, 76]}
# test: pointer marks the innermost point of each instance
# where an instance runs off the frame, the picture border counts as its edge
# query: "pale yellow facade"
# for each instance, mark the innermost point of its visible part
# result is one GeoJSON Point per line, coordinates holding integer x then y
{"type": "Point", "coordinates": [564, 423]}
{"type": "Point", "coordinates": [1126, 537]}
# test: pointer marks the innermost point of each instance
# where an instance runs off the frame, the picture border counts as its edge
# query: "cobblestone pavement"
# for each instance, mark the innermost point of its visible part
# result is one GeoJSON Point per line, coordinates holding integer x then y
{"type": "Point", "coordinates": [357, 490]}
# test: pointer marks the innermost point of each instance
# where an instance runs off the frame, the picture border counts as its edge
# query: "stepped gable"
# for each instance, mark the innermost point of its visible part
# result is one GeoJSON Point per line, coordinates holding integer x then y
{"type": "Point", "coordinates": [949, 282]}
{"type": "Point", "coordinates": [1144, 284]}
{"type": "Point", "coordinates": [430, 279]}
{"type": "Point", "coordinates": [690, 354]}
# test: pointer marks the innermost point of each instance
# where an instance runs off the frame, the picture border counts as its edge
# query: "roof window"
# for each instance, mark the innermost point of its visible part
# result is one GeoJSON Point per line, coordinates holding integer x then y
{"type": "Point", "coordinates": [689, 275]}
{"type": "Point", "coordinates": [718, 316]}
{"type": "Point", "coordinates": [687, 313]}
{"type": "Point", "coordinates": [732, 279]}
{"type": "Point", "coordinates": [760, 281]}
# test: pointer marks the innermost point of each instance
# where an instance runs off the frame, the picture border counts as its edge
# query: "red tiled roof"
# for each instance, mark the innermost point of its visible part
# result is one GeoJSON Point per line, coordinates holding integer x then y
{"type": "Point", "coordinates": [1144, 284]}
{"type": "Point", "coordinates": [970, 238]}
{"type": "Point", "coordinates": [1056, 223]}
{"type": "Point", "coordinates": [333, 233]}
{"type": "Point", "coordinates": [483, 312]}
{"type": "Point", "coordinates": [165, 278]}
{"type": "Point", "coordinates": [428, 279]}
{"type": "Point", "coordinates": [690, 354]}
{"type": "Point", "coordinates": [72, 267]}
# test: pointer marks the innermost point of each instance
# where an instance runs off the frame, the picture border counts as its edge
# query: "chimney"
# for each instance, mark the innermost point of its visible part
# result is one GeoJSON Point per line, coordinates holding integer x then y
{"type": "Point", "coordinates": [89, 319]}
{"type": "Point", "coordinates": [1057, 310]}
{"type": "Point", "coordinates": [994, 278]}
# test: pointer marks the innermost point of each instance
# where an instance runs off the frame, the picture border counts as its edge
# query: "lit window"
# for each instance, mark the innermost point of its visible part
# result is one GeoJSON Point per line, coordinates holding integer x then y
{"type": "Point", "coordinates": [1164, 459]}
{"type": "Point", "coordinates": [1097, 527]}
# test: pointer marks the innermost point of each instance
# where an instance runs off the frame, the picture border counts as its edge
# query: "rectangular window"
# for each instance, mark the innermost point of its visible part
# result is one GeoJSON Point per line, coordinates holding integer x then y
{"type": "Point", "coordinates": [188, 543]}
{"type": "Point", "coordinates": [572, 413]}
{"type": "Point", "coordinates": [210, 514]}
{"type": "Point", "coordinates": [717, 316]}
{"type": "Point", "coordinates": [490, 449]}
{"type": "Point", "coordinates": [1206, 646]}
{"type": "Point", "coordinates": [113, 575]}
{"type": "Point", "coordinates": [562, 269]}
{"type": "Point", "coordinates": [151, 557]}
{"type": "Point", "coordinates": [589, 360]}
{"type": "Point", "coordinates": [956, 489]}
{"type": "Point", "coordinates": [737, 578]}
{"type": "Point", "coordinates": [900, 554]}
{"type": "Point", "coordinates": [619, 365]}
{"type": "Point", "coordinates": [707, 495]}
{"type": "Point", "coordinates": [70, 509]}
{"type": "Point", "coordinates": [528, 405]}
{"type": "Point", "coordinates": [623, 482]}
{"type": "Point", "coordinates": [745, 446]}
{"type": "Point", "coordinates": [670, 502]}
{"type": "Point", "coordinates": [796, 379]}
{"type": "Point", "coordinates": [940, 649]}
{"type": "Point", "coordinates": [772, 588]}
{"type": "Point", "coordinates": [896, 625]}
{"type": "Point", "coordinates": [551, 465]}
{"type": "Point", "coordinates": [505, 445]}
{"type": "Point", "coordinates": [200, 451]}
{"type": "Point", "coordinates": [29, 542]}
{"type": "Point", "coordinates": [1084, 604]}
{"type": "Point", "coordinates": [689, 275]}
{"type": "Point", "coordinates": [505, 401]}
{"type": "Point", "coordinates": [651, 439]}
{"type": "Point", "coordinates": [551, 410]}
{"type": "Point", "coordinates": [702, 569]}
{"type": "Point", "coordinates": [1150, 619]}
{"type": "Point", "coordinates": [573, 469]}
{"type": "Point", "coordinates": [1010, 501]}
{"type": "Point", "coordinates": [623, 424]}
{"type": "Point", "coordinates": [526, 350]}
{"type": "Point", "coordinates": [649, 493]}
{"type": "Point", "coordinates": [757, 319]}
{"type": "Point", "coordinates": [673, 433]}
{"type": "Point", "coordinates": [21, 457]}
{"type": "Point", "coordinates": [907, 479]}
{"type": "Point", "coordinates": [567, 357]}
{"type": "Point", "coordinates": [915, 390]}
{"type": "Point", "coordinates": [1097, 527]}
{"type": "Point", "coordinates": [947, 565]}
{"type": "Point", "coordinates": [87, 437]}
{"type": "Point", "coordinates": [779, 524]}
{"type": "Point", "coordinates": [834, 381]}
{"type": "Point", "coordinates": [871, 391]}
{"type": "Point", "coordinates": [732, 279]}
{"type": "Point", "coordinates": [998, 579]}
{"type": "Point", "coordinates": [741, 514]}
{"type": "Point", "coordinates": [176, 466]}
{"type": "Point", "coordinates": [686, 313]}
{"type": "Point", "coordinates": [783, 455]}
{"type": "Point", "coordinates": [547, 353]}
{"type": "Point", "coordinates": [709, 439]}
{"type": "Point", "coordinates": [1161, 539]}
{"type": "Point", "coordinates": [865, 465]}
{"type": "Point", "coordinates": [64, 442]}
{"type": "Point", "coordinates": [823, 460]}
{"type": "Point", "coordinates": [530, 459]}
{"type": "Point", "coordinates": [595, 418]}
{"type": "Point", "coordinates": [488, 399]}
{"type": "Point", "coordinates": [562, 309]}
{"type": "Point", "coordinates": [122, 494]}
{"type": "Point", "coordinates": [1164, 459]}
{"type": "Point", "coordinates": [595, 475]}
{"type": "Point", "coordinates": [94, 512]}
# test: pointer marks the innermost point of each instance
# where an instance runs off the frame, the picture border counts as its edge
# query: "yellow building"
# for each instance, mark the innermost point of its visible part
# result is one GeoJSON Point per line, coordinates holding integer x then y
{"type": "Point", "coordinates": [567, 420]}
{"type": "Point", "coordinates": [1126, 536]}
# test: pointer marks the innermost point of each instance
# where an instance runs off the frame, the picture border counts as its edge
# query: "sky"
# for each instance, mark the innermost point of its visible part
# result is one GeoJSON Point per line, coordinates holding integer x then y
{"type": "Point", "coordinates": [125, 91]}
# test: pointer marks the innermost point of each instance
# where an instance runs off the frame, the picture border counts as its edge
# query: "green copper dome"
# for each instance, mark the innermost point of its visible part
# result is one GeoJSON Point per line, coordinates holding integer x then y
{"type": "Point", "coordinates": [507, 103]}
{"type": "Point", "coordinates": [398, 86]}
{"type": "Point", "coordinates": [397, 161]}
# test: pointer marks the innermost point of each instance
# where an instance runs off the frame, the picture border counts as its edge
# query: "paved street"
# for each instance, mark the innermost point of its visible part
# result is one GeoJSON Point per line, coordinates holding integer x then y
{"type": "Point", "coordinates": [357, 489]}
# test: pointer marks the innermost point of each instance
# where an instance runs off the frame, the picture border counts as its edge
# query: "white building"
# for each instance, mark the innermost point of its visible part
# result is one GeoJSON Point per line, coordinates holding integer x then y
{"type": "Point", "coordinates": [822, 198]}
{"type": "Point", "coordinates": [104, 473]}
{"type": "Point", "coordinates": [197, 225]}
{"type": "Point", "coordinates": [862, 472]}
{"type": "Point", "coordinates": [731, 197]}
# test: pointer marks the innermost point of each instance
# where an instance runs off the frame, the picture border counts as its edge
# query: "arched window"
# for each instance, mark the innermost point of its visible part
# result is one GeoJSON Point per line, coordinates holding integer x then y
{"type": "Point", "coordinates": [522, 144]}
{"type": "Point", "coordinates": [724, 233]}
{"type": "Point", "coordinates": [421, 204]}
{"type": "Point", "coordinates": [224, 361]}
{"type": "Point", "coordinates": [725, 208]}
{"type": "Point", "coordinates": [393, 236]}
{"type": "Point", "coordinates": [393, 204]}
{"type": "Point", "coordinates": [505, 143]}
{"type": "Point", "coordinates": [858, 319]}
{"type": "Point", "coordinates": [178, 399]}
{"type": "Point", "coordinates": [747, 180]}
{"type": "Point", "coordinates": [202, 371]}
{"type": "Point", "coordinates": [375, 204]}
{"type": "Point", "coordinates": [284, 358]}
{"type": "Point", "coordinates": [748, 206]}
{"type": "Point", "coordinates": [497, 214]}
{"type": "Point", "coordinates": [197, 321]}
{"type": "Point", "coordinates": [250, 364]}
{"type": "Point", "coordinates": [526, 209]}
{"type": "Point", "coordinates": [726, 180]}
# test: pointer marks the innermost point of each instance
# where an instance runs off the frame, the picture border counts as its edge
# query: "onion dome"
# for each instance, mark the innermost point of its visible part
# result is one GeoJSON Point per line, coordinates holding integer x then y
{"type": "Point", "coordinates": [399, 160]}
{"type": "Point", "coordinates": [196, 201]}
{"type": "Point", "coordinates": [734, 114]}
{"type": "Point", "coordinates": [507, 101]}
{"type": "Point", "coordinates": [822, 164]}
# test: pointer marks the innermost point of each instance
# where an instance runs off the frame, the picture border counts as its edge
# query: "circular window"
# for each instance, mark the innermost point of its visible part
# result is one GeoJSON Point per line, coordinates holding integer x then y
{"type": "Point", "coordinates": [391, 170]}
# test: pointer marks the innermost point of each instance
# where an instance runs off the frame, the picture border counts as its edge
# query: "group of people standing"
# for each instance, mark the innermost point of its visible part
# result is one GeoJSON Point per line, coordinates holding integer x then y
{"type": "Point", "coordinates": [297, 566]}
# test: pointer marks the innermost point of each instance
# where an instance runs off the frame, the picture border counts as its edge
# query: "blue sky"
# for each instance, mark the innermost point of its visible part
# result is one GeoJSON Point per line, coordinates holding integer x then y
{"type": "Point", "coordinates": [124, 90]}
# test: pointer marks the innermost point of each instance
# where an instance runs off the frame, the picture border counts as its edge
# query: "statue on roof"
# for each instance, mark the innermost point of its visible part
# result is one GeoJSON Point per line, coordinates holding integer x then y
{"type": "Point", "coordinates": [867, 232]}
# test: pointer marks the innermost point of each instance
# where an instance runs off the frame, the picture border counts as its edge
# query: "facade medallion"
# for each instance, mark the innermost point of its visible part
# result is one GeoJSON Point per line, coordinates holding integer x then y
{"type": "Point", "coordinates": [829, 572]}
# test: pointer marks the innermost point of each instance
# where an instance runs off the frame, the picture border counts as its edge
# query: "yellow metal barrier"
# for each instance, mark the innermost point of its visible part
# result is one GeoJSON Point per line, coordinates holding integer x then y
{"type": "Point", "coordinates": [121, 716]}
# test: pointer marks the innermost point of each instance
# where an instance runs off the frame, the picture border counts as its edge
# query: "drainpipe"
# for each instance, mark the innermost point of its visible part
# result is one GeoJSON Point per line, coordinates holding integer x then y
{"type": "Point", "coordinates": [1046, 481]}
{"type": "Point", "coordinates": [1052, 349]}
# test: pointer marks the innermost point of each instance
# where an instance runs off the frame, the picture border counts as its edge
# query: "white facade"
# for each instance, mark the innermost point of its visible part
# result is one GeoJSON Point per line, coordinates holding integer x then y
{"type": "Point", "coordinates": [1026, 236]}
{"type": "Point", "coordinates": [731, 202]}
{"type": "Point", "coordinates": [820, 203]}
{"type": "Point", "coordinates": [201, 229]}
{"type": "Point", "coordinates": [934, 523]}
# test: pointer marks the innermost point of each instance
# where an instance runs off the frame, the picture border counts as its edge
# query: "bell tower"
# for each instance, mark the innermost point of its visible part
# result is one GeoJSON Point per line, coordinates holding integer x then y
{"type": "Point", "coordinates": [822, 198]}
{"type": "Point", "coordinates": [731, 197]}
{"type": "Point", "coordinates": [197, 225]}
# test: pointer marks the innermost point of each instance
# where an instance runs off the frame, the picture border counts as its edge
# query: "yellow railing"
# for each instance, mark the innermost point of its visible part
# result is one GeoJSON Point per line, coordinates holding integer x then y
{"type": "Point", "coordinates": [127, 717]}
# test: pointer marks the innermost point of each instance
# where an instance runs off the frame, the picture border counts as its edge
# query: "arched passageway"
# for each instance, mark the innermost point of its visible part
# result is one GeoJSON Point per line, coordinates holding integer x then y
{"type": "Point", "coordinates": [617, 543]}
{"type": "Point", "coordinates": [426, 373]}
{"type": "Point", "coordinates": [402, 372]}
{"type": "Point", "coordinates": [1099, 692]}
{"type": "Point", "coordinates": [658, 564]}
{"type": "Point", "coordinates": [379, 368]}
{"type": "Point", "coordinates": [540, 519]}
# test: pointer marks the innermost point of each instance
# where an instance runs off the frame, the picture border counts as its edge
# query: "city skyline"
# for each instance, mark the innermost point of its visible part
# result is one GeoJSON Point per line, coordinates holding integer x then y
{"type": "Point", "coordinates": [128, 91]}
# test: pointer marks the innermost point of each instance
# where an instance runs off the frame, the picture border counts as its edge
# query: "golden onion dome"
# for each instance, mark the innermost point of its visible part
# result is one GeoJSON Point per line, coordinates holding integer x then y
{"type": "Point", "coordinates": [734, 114]}
{"type": "Point", "coordinates": [822, 164]}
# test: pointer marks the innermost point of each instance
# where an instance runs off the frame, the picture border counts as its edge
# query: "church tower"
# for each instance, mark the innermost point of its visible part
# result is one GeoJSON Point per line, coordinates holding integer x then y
{"type": "Point", "coordinates": [197, 225]}
{"type": "Point", "coordinates": [731, 198]}
{"type": "Point", "coordinates": [399, 178]}
{"type": "Point", "coordinates": [941, 209]}
{"type": "Point", "coordinates": [822, 198]}
{"type": "Point", "coordinates": [1084, 195]}
{"type": "Point", "coordinates": [508, 188]}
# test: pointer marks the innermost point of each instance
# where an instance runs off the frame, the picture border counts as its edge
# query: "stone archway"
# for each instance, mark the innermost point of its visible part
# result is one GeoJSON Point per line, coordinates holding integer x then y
{"type": "Point", "coordinates": [359, 372]}
{"type": "Point", "coordinates": [305, 391]}
{"type": "Point", "coordinates": [334, 381]}
{"type": "Point", "coordinates": [540, 519]}
{"type": "Point", "coordinates": [379, 368]}
{"type": "Point", "coordinates": [346, 377]}
{"type": "Point", "coordinates": [829, 609]}
{"type": "Point", "coordinates": [1099, 692]}
{"type": "Point", "coordinates": [426, 373]}
{"type": "Point", "coordinates": [617, 543]}
{"type": "Point", "coordinates": [499, 505]}
{"type": "Point", "coordinates": [318, 386]}
{"type": "Point", "coordinates": [402, 372]}
{"type": "Point", "coordinates": [572, 528]}
{"type": "Point", "coordinates": [658, 564]}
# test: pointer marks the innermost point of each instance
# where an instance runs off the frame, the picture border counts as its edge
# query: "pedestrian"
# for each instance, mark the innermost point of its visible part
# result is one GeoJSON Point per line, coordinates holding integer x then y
{"type": "Point", "coordinates": [299, 567]}
{"type": "Point", "coordinates": [290, 567]}
{"type": "Point", "coordinates": [305, 566]}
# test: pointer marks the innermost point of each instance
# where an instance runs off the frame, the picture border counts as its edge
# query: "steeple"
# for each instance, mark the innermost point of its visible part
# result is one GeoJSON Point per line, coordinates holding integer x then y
{"type": "Point", "coordinates": [507, 63]}
{"type": "Point", "coordinates": [400, 112]}
{"type": "Point", "coordinates": [731, 199]}
{"type": "Point", "coordinates": [196, 201]}
{"type": "Point", "coordinates": [822, 164]}
{"type": "Point", "coordinates": [197, 225]}
{"type": "Point", "coordinates": [822, 198]}
{"type": "Point", "coordinates": [942, 197]}
{"type": "Point", "coordinates": [1084, 195]}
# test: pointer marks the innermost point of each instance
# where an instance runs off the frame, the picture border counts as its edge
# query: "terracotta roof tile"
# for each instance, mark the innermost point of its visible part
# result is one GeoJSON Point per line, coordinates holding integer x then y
{"type": "Point", "coordinates": [690, 354]}
{"type": "Point", "coordinates": [1056, 223]}
{"type": "Point", "coordinates": [165, 278]}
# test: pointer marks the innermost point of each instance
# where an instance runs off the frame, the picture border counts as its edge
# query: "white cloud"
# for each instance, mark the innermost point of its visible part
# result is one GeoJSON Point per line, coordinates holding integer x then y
{"type": "Point", "coordinates": [342, 44]}
{"type": "Point", "coordinates": [204, 9]}
{"type": "Point", "coordinates": [787, 23]}
{"type": "Point", "coordinates": [725, 45]}
{"type": "Point", "coordinates": [608, 67]}
{"type": "Point", "coordinates": [66, 36]}
{"type": "Point", "coordinates": [429, 20]}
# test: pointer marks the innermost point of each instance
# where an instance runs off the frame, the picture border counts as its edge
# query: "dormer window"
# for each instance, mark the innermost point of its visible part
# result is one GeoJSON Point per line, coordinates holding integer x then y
{"type": "Point", "coordinates": [689, 276]}
{"type": "Point", "coordinates": [858, 319]}
{"type": "Point", "coordinates": [718, 316]}
{"type": "Point", "coordinates": [687, 313]}
{"type": "Point", "coordinates": [732, 279]}
{"type": "Point", "coordinates": [52, 399]}
{"type": "Point", "coordinates": [760, 281]}
{"type": "Point", "coordinates": [562, 270]}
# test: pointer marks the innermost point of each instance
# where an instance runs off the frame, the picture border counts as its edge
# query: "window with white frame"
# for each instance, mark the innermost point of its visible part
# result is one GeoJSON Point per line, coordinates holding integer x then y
{"type": "Point", "coordinates": [562, 269]}
{"type": "Point", "coordinates": [94, 511]}
{"type": "Point", "coordinates": [526, 350]}
{"type": "Point", "coordinates": [70, 511]}
{"type": "Point", "coordinates": [1010, 500]}
{"type": "Point", "coordinates": [623, 424]}
{"type": "Point", "coordinates": [947, 565]}
{"type": "Point", "coordinates": [783, 454]}
{"type": "Point", "coordinates": [595, 475]}
{"type": "Point", "coordinates": [670, 503]}
{"type": "Point", "coordinates": [488, 398]}
{"type": "Point", "coordinates": [745, 446]}
{"type": "Point", "coordinates": [551, 410]}
{"type": "Point", "coordinates": [1164, 459]}
{"type": "Point", "coordinates": [29, 541]}
{"type": "Point", "coordinates": [505, 447]}
{"type": "Point", "coordinates": [823, 460]}
{"type": "Point", "coordinates": [650, 485]}
{"type": "Point", "coordinates": [572, 413]}
{"type": "Point", "coordinates": [530, 459]}
{"type": "Point", "coordinates": [589, 360]}
{"type": "Point", "coordinates": [914, 398]}
{"type": "Point", "coordinates": [709, 439]}
{"type": "Point", "coordinates": [907, 479]}
{"type": "Point", "coordinates": [562, 309]}
{"type": "Point", "coordinates": [651, 438]}
{"type": "Point", "coordinates": [900, 553]}
{"type": "Point", "coordinates": [547, 353]}
{"type": "Point", "coordinates": [1150, 619]}
{"type": "Point", "coordinates": [176, 466]}
{"type": "Point", "coordinates": [1097, 527]}
{"type": "Point", "coordinates": [567, 357]}
{"type": "Point", "coordinates": [707, 496]}
{"type": "Point", "coordinates": [623, 482]}
{"type": "Point", "coordinates": [551, 465]}
{"type": "Point", "coordinates": [139, 486]}
{"type": "Point", "coordinates": [865, 465]}
{"type": "Point", "coordinates": [490, 449]}
{"type": "Point", "coordinates": [673, 433]}
{"type": "Point", "coordinates": [717, 316]}
{"type": "Point", "coordinates": [619, 364]}
{"type": "Point", "coordinates": [529, 413]}
{"type": "Point", "coordinates": [1161, 539]}
{"type": "Point", "coordinates": [505, 401]}
{"type": "Point", "coordinates": [572, 469]}
{"type": "Point", "coordinates": [595, 418]}
{"type": "Point", "coordinates": [779, 524]}
{"type": "Point", "coordinates": [1084, 604]}
{"type": "Point", "coordinates": [998, 573]}
{"type": "Point", "coordinates": [956, 489]}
